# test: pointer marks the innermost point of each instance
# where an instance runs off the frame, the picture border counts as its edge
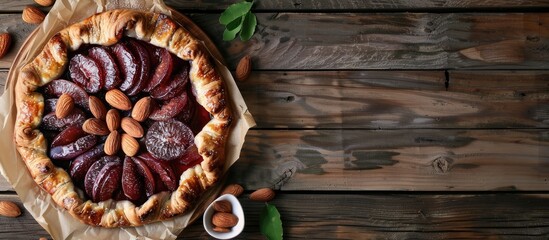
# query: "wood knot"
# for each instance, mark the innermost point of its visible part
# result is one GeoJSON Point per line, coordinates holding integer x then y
{"type": "Point", "coordinates": [442, 164]}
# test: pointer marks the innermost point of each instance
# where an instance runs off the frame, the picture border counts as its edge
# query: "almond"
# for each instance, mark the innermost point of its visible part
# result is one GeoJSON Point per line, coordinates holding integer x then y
{"type": "Point", "coordinates": [226, 220]}
{"type": "Point", "coordinates": [96, 127]}
{"type": "Point", "coordinates": [262, 195]}
{"type": "Point", "coordinates": [64, 106]}
{"type": "Point", "coordinates": [118, 100]}
{"type": "Point", "coordinates": [132, 127]}
{"type": "Point", "coordinates": [130, 146]}
{"type": "Point", "coordinates": [142, 109]}
{"type": "Point", "coordinates": [33, 15]}
{"type": "Point", "coordinates": [223, 206]}
{"type": "Point", "coordinates": [112, 143]}
{"type": "Point", "coordinates": [5, 43]}
{"type": "Point", "coordinates": [244, 68]}
{"type": "Point", "coordinates": [97, 107]}
{"type": "Point", "coordinates": [45, 3]}
{"type": "Point", "coordinates": [113, 119]}
{"type": "Point", "coordinates": [221, 229]}
{"type": "Point", "coordinates": [234, 189]}
{"type": "Point", "coordinates": [9, 209]}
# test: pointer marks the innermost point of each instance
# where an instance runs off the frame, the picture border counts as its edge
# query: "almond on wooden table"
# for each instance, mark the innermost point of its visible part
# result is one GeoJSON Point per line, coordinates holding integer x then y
{"type": "Point", "coordinates": [226, 220]}
{"type": "Point", "coordinates": [33, 15]}
{"type": "Point", "coordinates": [64, 106]}
{"type": "Point", "coordinates": [9, 209]}
{"type": "Point", "coordinates": [262, 195]}
{"type": "Point", "coordinates": [5, 43]}
{"type": "Point", "coordinates": [244, 68]}
{"type": "Point", "coordinates": [234, 189]}
{"type": "Point", "coordinates": [45, 3]}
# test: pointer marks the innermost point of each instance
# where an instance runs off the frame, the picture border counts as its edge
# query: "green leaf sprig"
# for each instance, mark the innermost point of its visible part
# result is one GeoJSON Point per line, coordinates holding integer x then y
{"type": "Point", "coordinates": [270, 223]}
{"type": "Point", "coordinates": [238, 18]}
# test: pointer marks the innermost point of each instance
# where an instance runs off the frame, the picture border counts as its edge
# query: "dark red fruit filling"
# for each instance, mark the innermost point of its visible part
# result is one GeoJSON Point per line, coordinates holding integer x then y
{"type": "Point", "coordinates": [139, 69]}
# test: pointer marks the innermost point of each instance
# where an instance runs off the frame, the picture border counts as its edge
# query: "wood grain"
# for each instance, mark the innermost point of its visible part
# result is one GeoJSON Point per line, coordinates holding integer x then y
{"type": "Point", "coordinates": [398, 99]}
{"type": "Point", "coordinates": [395, 160]}
{"type": "Point", "coordinates": [331, 5]}
{"type": "Point", "coordinates": [390, 40]}
{"type": "Point", "coordinates": [371, 216]}
{"type": "Point", "coordinates": [302, 41]}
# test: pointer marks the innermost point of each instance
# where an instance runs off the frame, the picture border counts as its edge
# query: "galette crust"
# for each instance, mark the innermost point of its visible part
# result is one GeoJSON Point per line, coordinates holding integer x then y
{"type": "Point", "coordinates": [106, 29]}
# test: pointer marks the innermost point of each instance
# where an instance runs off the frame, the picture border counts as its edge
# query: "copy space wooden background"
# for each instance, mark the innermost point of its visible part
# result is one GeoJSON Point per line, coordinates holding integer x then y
{"type": "Point", "coordinates": [385, 119]}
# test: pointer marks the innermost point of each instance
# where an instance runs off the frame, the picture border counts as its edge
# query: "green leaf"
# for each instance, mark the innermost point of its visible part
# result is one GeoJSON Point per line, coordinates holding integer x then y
{"type": "Point", "coordinates": [237, 23]}
{"type": "Point", "coordinates": [269, 222]}
{"type": "Point", "coordinates": [234, 12]}
{"type": "Point", "coordinates": [229, 35]}
{"type": "Point", "coordinates": [248, 27]}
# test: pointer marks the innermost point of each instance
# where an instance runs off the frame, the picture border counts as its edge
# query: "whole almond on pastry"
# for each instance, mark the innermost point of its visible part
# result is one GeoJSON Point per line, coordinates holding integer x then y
{"type": "Point", "coordinates": [223, 206]}
{"type": "Point", "coordinates": [244, 68]}
{"type": "Point", "coordinates": [9, 209]}
{"type": "Point", "coordinates": [64, 106]}
{"type": "Point", "coordinates": [113, 119]}
{"type": "Point", "coordinates": [226, 220]}
{"type": "Point", "coordinates": [97, 108]}
{"type": "Point", "coordinates": [130, 146]}
{"type": "Point", "coordinates": [33, 15]}
{"type": "Point", "coordinates": [96, 127]}
{"type": "Point", "coordinates": [45, 3]}
{"type": "Point", "coordinates": [118, 100]}
{"type": "Point", "coordinates": [5, 43]}
{"type": "Point", "coordinates": [112, 143]}
{"type": "Point", "coordinates": [142, 109]}
{"type": "Point", "coordinates": [262, 195]}
{"type": "Point", "coordinates": [234, 189]}
{"type": "Point", "coordinates": [132, 127]}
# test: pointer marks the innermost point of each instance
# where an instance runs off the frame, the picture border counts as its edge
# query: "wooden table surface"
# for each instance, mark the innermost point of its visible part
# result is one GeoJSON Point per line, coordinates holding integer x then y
{"type": "Point", "coordinates": [387, 119]}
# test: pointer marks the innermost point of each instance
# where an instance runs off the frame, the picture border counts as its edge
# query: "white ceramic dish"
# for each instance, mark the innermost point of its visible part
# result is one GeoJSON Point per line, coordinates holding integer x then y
{"type": "Point", "coordinates": [237, 210]}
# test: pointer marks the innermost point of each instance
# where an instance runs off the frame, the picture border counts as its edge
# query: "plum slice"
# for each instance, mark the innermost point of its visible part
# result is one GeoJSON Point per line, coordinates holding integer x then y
{"type": "Point", "coordinates": [148, 178]}
{"type": "Point", "coordinates": [69, 135]}
{"type": "Point", "coordinates": [93, 172]}
{"type": "Point", "coordinates": [105, 59]}
{"type": "Point", "coordinates": [108, 180]}
{"type": "Point", "coordinates": [60, 86]}
{"type": "Point", "coordinates": [51, 122]}
{"type": "Point", "coordinates": [87, 72]}
{"type": "Point", "coordinates": [72, 150]}
{"type": "Point", "coordinates": [190, 158]}
{"type": "Point", "coordinates": [162, 168]}
{"type": "Point", "coordinates": [170, 89]}
{"type": "Point", "coordinates": [131, 183]}
{"type": "Point", "coordinates": [168, 140]}
{"type": "Point", "coordinates": [144, 68]}
{"type": "Point", "coordinates": [200, 119]}
{"type": "Point", "coordinates": [170, 108]}
{"type": "Point", "coordinates": [81, 164]}
{"type": "Point", "coordinates": [128, 64]}
{"type": "Point", "coordinates": [163, 71]}
{"type": "Point", "coordinates": [49, 105]}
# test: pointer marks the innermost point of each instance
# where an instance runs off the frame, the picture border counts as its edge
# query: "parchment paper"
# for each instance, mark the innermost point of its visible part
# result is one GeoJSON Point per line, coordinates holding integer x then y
{"type": "Point", "coordinates": [58, 222]}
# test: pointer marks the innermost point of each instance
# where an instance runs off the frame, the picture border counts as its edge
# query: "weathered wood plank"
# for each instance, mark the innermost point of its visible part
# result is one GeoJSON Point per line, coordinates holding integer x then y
{"type": "Point", "coordinates": [374, 40]}
{"type": "Point", "coordinates": [331, 5]}
{"type": "Point", "coordinates": [372, 216]}
{"type": "Point", "coordinates": [390, 41]}
{"type": "Point", "coordinates": [409, 160]}
{"type": "Point", "coordinates": [398, 99]}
